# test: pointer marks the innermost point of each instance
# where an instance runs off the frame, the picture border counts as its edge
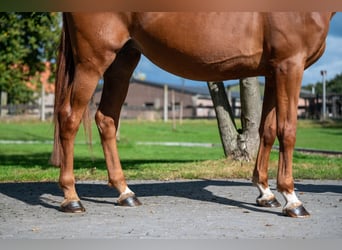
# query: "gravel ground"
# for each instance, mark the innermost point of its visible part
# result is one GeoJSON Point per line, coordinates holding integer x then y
{"type": "Point", "coordinates": [206, 209]}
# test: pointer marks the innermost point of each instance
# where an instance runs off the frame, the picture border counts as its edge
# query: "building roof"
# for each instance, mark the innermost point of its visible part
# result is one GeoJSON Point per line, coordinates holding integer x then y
{"type": "Point", "coordinates": [193, 90]}
{"type": "Point", "coordinates": [202, 89]}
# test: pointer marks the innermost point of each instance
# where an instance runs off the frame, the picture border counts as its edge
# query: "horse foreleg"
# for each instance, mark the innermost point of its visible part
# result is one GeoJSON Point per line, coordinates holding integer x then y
{"type": "Point", "coordinates": [107, 126]}
{"type": "Point", "coordinates": [68, 129]}
{"type": "Point", "coordinates": [267, 132]}
{"type": "Point", "coordinates": [116, 81]}
{"type": "Point", "coordinates": [288, 78]}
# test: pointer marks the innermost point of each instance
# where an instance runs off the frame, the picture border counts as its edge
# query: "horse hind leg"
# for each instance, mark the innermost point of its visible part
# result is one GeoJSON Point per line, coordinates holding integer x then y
{"type": "Point", "coordinates": [267, 132]}
{"type": "Point", "coordinates": [93, 57]}
{"type": "Point", "coordinates": [116, 81]}
{"type": "Point", "coordinates": [70, 116]}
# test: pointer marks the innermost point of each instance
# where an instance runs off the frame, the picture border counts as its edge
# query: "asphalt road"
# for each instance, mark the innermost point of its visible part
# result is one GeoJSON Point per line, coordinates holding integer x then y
{"type": "Point", "coordinates": [205, 209]}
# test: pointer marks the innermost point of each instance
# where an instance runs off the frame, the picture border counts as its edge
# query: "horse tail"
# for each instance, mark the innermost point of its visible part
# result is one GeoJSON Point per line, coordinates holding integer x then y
{"type": "Point", "coordinates": [64, 80]}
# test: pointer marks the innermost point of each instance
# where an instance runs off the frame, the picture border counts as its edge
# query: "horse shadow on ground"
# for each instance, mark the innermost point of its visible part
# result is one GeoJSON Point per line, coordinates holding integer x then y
{"type": "Point", "coordinates": [34, 193]}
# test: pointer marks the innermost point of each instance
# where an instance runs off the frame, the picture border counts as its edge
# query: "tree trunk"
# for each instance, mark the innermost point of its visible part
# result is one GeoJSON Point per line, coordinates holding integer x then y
{"type": "Point", "coordinates": [244, 145]}
{"type": "Point", "coordinates": [250, 116]}
{"type": "Point", "coordinates": [225, 119]}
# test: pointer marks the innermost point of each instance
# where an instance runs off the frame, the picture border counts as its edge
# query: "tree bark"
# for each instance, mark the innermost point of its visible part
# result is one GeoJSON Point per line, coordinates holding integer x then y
{"type": "Point", "coordinates": [250, 116]}
{"type": "Point", "coordinates": [225, 119]}
{"type": "Point", "coordinates": [243, 145]}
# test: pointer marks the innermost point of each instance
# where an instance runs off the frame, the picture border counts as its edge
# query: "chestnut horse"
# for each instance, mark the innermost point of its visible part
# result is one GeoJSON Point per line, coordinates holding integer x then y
{"type": "Point", "coordinates": [198, 46]}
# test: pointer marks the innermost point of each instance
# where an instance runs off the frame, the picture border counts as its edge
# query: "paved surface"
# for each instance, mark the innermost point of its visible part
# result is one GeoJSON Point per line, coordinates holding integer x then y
{"type": "Point", "coordinates": [209, 209]}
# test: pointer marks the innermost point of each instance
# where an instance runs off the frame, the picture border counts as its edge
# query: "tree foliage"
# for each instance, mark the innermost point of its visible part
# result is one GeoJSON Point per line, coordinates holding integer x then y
{"type": "Point", "coordinates": [332, 86]}
{"type": "Point", "coordinates": [335, 85]}
{"type": "Point", "coordinates": [27, 41]}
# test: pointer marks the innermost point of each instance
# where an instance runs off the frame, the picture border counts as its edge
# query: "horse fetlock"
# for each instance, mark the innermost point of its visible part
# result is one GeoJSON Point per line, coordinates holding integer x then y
{"type": "Point", "coordinates": [71, 202]}
{"type": "Point", "coordinates": [266, 197]}
{"type": "Point", "coordinates": [267, 202]}
{"type": "Point", "coordinates": [264, 190]}
{"type": "Point", "coordinates": [291, 199]}
{"type": "Point", "coordinates": [128, 198]}
{"type": "Point", "coordinates": [294, 207]}
{"type": "Point", "coordinates": [127, 192]}
{"type": "Point", "coordinates": [70, 195]}
{"type": "Point", "coordinates": [69, 191]}
{"type": "Point", "coordinates": [124, 196]}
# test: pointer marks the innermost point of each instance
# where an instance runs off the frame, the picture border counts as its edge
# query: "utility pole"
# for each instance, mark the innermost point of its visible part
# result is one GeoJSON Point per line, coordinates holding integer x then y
{"type": "Point", "coordinates": [42, 104]}
{"type": "Point", "coordinates": [173, 104]}
{"type": "Point", "coordinates": [166, 103]}
{"type": "Point", "coordinates": [324, 104]}
{"type": "Point", "coordinates": [181, 102]}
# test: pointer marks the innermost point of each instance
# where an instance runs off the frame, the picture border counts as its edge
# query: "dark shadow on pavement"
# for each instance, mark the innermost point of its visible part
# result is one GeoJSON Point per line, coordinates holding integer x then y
{"type": "Point", "coordinates": [33, 193]}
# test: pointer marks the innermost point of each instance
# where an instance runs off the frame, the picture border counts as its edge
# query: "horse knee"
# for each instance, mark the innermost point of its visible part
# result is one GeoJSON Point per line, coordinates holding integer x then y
{"type": "Point", "coordinates": [287, 137]}
{"type": "Point", "coordinates": [68, 123]}
{"type": "Point", "coordinates": [105, 125]}
{"type": "Point", "coordinates": [268, 136]}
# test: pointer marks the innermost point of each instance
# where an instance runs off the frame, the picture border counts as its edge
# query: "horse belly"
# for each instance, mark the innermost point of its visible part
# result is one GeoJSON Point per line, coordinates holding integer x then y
{"type": "Point", "coordinates": [195, 68]}
{"type": "Point", "coordinates": [203, 46]}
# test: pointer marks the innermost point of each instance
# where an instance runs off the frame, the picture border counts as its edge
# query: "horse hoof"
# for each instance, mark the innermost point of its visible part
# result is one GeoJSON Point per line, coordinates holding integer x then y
{"type": "Point", "coordinates": [296, 212]}
{"type": "Point", "coordinates": [268, 203]}
{"type": "Point", "coordinates": [130, 201]}
{"type": "Point", "coordinates": [72, 207]}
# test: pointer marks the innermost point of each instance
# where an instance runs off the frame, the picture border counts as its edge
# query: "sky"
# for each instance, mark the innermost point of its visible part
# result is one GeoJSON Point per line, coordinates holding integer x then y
{"type": "Point", "coordinates": [331, 61]}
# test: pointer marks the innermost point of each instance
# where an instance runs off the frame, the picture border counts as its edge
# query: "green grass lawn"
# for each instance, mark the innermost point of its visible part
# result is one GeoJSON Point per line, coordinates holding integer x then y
{"type": "Point", "coordinates": [29, 162]}
{"type": "Point", "coordinates": [319, 135]}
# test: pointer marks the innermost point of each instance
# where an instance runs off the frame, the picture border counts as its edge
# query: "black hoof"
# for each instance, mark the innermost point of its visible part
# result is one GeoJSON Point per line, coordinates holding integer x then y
{"type": "Point", "coordinates": [296, 212]}
{"type": "Point", "coordinates": [73, 207]}
{"type": "Point", "coordinates": [130, 201]}
{"type": "Point", "coordinates": [268, 203]}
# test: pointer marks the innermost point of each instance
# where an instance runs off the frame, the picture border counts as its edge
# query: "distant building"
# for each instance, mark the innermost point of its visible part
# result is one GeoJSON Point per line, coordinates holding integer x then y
{"type": "Point", "coordinates": [334, 105]}
{"type": "Point", "coordinates": [146, 100]}
{"type": "Point", "coordinates": [310, 105]}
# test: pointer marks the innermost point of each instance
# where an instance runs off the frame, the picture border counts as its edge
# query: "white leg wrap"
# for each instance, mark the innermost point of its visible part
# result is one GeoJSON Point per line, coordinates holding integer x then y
{"type": "Point", "coordinates": [291, 200]}
{"type": "Point", "coordinates": [127, 191]}
{"type": "Point", "coordinates": [125, 194]}
{"type": "Point", "coordinates": [265, 193]}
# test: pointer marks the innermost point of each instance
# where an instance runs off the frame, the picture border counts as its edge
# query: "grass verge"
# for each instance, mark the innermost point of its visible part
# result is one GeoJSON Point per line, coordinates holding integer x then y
{"type": "Point", "coordinates": [29, 162]}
